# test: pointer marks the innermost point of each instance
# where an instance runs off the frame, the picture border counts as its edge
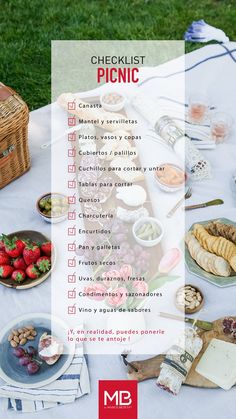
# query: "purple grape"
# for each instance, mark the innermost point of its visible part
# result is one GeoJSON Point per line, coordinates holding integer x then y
{"type": "Point", "coordinates": [227, 331]}
{"type": "Point", "coordinates": [31, 351]}
{"type": "Point", "coordinates": [119, 237]}
{"type": "Point", "coordinates": [229, 327]}
{"type": "Point", "coordinates": [32, 367]}
{"type": "Point", "coordinates": [18, 352]}
{"type": "Point", "coordinates": [227, 322]}
{"type": "Point", "coordinates": [24, 360]}
{"type": "Point", "coordinates": [129, 259]}
{"type": "Point", "coordinates": [79, 252]}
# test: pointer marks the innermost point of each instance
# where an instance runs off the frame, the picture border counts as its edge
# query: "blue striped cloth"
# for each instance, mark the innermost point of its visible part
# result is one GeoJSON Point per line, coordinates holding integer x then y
{"type": "Point", "coordinates": [73, 384]}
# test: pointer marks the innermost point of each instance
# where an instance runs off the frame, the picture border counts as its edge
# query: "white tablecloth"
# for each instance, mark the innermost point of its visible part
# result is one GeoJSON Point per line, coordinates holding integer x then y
{"type": "Point", "coordinates": [216, 76]}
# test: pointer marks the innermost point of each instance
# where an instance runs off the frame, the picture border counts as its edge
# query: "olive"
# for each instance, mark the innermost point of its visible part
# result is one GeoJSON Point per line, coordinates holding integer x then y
{"type": "Point", "coordinates": [42, 203]}
{"type": "Point", "coordinates": [47, 207]}
{"type": "Point", "coordinates": [55, 201]}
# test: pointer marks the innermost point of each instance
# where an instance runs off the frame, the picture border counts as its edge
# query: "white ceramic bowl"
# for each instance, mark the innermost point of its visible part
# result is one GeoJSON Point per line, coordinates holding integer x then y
{"type": "Point", "coordinates": [170, 188]}
{"type": "Point", "coordinates": [51, 219]}
{"type": "Point", "coordinates": [143, 242]}
{"type": "Point", "coordinates": [112, 107]}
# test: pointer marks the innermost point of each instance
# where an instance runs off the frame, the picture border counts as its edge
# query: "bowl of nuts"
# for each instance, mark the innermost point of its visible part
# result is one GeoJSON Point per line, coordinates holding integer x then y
{"type": "Point", "coordinates": [112, 101]}
{"type": "Point", "coordinates": [189, 299]}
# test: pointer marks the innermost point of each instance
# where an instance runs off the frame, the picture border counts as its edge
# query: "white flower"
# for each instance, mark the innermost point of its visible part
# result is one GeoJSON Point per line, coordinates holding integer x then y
{"type": "Point", "coordinates": [200, 31]}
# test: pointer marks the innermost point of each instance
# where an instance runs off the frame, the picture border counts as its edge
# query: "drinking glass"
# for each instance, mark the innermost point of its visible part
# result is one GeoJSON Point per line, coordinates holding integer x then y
{"type": "Point", "coordinates": [221, 124]}
{"type": "Point", "coordinates": [198, 108]}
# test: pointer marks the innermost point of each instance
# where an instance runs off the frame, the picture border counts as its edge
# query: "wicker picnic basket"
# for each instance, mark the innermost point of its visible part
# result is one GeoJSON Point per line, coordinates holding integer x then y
{"type": "Point", "coordinates": [14, 151]}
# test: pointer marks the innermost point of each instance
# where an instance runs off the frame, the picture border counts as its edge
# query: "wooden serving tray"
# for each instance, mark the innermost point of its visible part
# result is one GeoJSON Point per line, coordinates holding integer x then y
{"type": "Point", "coordinates": [112, 202]}
{"type": "Point", "coordinates": [150, 368]}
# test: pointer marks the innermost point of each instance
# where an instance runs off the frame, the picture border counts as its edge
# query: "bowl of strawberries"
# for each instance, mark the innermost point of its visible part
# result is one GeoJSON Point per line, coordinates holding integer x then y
{"type": "Point", "coordinates": [26, 259]}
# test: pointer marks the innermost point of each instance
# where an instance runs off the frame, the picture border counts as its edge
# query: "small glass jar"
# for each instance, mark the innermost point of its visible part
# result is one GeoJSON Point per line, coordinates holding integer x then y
{"type": "Point", "coordinates": [221, 124]}
{"type": "Point", "coordinates": [198, 108]}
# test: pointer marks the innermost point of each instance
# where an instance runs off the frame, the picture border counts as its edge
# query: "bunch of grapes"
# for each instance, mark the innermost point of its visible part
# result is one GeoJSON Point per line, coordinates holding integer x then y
{"type": "Point", "coordinates": [229, 327]}
{"type": "Point", "coordinates": [90, 254]}
{"type": "Point", "coordinates": [135, 256]}
{"type": "Point", "coordinates": [26, 359]}
{"type": "Point", "coordinates": [142, 260]}
{"type": "Point", "coordinates": [128, 252]}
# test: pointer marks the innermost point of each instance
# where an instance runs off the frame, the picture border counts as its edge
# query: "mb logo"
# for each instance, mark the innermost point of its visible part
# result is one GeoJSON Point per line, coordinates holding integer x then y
{"type": "Point", "coordinates": [118, 399]}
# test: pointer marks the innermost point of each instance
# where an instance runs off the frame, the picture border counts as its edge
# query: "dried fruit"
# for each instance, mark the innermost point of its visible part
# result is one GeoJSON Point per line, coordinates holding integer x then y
{"type": "Point", "coordinates": [22, 335]}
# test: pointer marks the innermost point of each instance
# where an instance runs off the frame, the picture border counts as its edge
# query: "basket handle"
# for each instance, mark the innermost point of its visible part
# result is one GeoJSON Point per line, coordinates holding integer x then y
{"type": "Point", "coordinates": [6, 92]}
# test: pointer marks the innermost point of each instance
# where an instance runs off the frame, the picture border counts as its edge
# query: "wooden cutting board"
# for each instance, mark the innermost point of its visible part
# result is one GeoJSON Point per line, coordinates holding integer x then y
{"type": "Point", "coordinates": [112, 202]}
{"type": "Point", "coordinates": [150, 368]}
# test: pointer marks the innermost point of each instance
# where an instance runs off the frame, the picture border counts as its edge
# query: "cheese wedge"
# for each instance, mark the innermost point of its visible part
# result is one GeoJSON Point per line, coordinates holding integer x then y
{"type": "Point", "coordinates": [218, 363]}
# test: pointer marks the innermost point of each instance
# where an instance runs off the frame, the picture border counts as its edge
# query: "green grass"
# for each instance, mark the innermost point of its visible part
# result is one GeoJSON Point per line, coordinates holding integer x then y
{"type": "Point", "coordinates": [28, 26]}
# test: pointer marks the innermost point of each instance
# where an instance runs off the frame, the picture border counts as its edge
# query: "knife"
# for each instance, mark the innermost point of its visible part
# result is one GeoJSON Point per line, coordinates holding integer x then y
{"type": "Point", "coordinates": [202, 324]}
{"type": "Point", "coordinates": [205, 204]}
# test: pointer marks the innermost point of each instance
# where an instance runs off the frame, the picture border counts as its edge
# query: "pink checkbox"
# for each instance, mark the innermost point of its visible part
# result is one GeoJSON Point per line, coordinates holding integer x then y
{"type": "Point", "coordinates": [71, 121]}
{"type": "Point", "coordinates": [72, 294]}
{"type": "Point", "coordinates": [71, 309]}
{"type": "Point", "coordinates": [71, 278]}
{"type": "Point", "coordinates": [72, 199]}
{"type": "Point", "coordinates": [71, 184]}
{"type": "Point", "coordinates": [71, 106]}
{"type": "Point", "coordinates": [71, 168]}
{"type": "Point", "coordinates": [71, 247]}
{"type": "Point", "coordinates": [72, 136]}
{"type": "Point", "coordinates": [72, 231]}
{"type": "Point", "coordinates": [72, 263]}
{"type": "Point", "coordinates": [71, 215]}
{"type": "Point", "coordinates": [71, 152]}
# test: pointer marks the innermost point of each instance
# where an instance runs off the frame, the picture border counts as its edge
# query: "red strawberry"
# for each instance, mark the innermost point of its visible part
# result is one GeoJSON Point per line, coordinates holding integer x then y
{"type": "Point", "coordinates": [31, 253]}
{"type": "Point", "coordinates": [6, 271]}
{"type": "Point", "coordinates": [19, 263]}
{"type": "Point", "coordinates": [44, 264]}
{"type": "Point", "coordinates": [32, 271]}
{"type": "Point", "coordinates": [18, 275]}
{"type": "Point", "coordinates": [47, 248]}
{"type": "Point", "coordinates": [14, 247]}
{"type": "Point", "coordinates": [4, 258]}
{"type": "Point", "coordinates": [2, 245]}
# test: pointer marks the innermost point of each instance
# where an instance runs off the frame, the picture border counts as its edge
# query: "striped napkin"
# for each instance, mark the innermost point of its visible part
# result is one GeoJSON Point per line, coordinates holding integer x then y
{"type": "Point", "coordinates": [198, 133]}
{"type": "Point", "coordinates": [73, 384]}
